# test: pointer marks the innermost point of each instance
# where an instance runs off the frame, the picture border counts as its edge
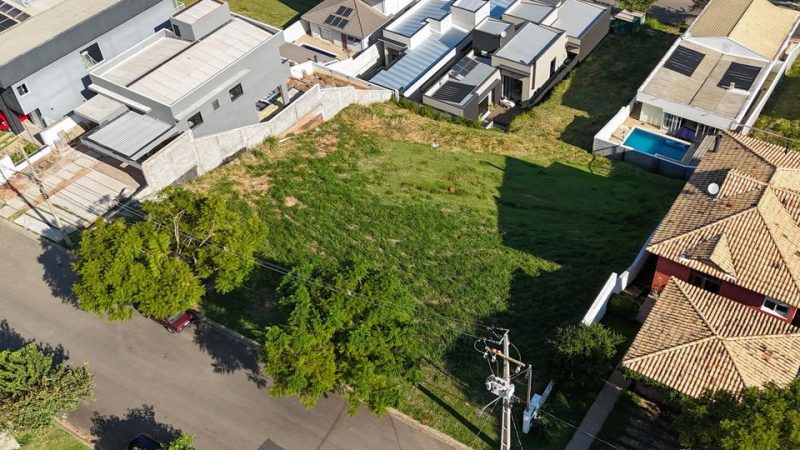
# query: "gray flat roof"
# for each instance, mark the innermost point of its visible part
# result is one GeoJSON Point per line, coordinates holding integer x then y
{"type": "Point", "coordinates": [498, 7]}
{"type": "Point", "coordinates": [576, 17]}
{"type": "Point", "coordinates": [493, 26]}
{"type": "Point", "coordinates": [416, 62]}
{"type": "Point", "coordinates": [100, 109]}
{"type": "Point", "coordinates": [469, 5]}
{"type": "Point", "coordinates": [529, 42]}
{"type": "Point", "coordinates": [467, 72]}
{"type": "Point", "coordinates": [174, 76]}
{"type": "Point", "coordinates": [300, 54]}
{"type": "Point", "coordinates": [130, 133]}
{"type": "Point", "coordinates": [197, 10]}
{"type": "Point", "coordinates": [411, 22]}
{"type": "Point", "coordinates": [47, 25]}
{"type": "Point", "coordinates": [530, 11]}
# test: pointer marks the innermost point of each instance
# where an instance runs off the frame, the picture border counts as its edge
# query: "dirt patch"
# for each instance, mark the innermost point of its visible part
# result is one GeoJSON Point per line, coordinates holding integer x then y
{"type": "Point", "coordinates": [291, 201]}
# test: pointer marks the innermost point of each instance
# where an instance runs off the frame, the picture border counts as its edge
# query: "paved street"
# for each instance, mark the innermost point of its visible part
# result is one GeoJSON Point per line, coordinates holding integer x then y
{"type": "Point", "coordinates": [147, 380]}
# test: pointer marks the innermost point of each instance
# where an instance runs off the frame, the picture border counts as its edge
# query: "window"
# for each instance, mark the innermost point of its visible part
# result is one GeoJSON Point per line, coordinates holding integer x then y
{"type": "Point", "coordinates": [775, 307]}
{"type": "Point", "coordinates": [176, 29]}
{"type": "Point", "coordinates": [215, 105]}
{"type": "Point", "coordinates": [704, 281]}
{"type": "Point", "coordinates": [552, 67]}
{"type": "Point", "coordinates": [195, 121]}
{"type": "Point", "coordinates": [671, 122]}
{"type": "Point", "coordinates": [236, 92]}
{"type": "Point", "coordinates": [91, 55]}
{"type": "Point", "coordinates": [22, 89]}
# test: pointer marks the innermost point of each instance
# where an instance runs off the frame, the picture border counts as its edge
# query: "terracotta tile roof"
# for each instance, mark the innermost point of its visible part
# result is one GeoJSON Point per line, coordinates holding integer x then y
{"type": "Point", "coordinates": [755, 24]}
{"type": "Point", "coordinates": [694, 340]}
{"type": "Point", "coordinates": [748, 234]}
{"type": "Point", "coordinates": [363, 20]}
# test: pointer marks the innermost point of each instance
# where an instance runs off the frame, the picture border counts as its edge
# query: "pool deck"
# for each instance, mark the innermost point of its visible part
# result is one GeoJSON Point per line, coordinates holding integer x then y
{"type": "Point", "coordinates": [691, 158]}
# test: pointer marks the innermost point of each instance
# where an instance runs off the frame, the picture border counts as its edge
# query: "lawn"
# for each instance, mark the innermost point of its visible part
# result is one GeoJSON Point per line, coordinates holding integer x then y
{"type": "Point", "coordinates": [781, 115]}
{"type": "Point", "coordinates": [280, 13]}
{"type": "Point", "coordinates": [517, 229]}
{"type": "Point", "coordinates": [51, 439]}
{"type": "Point", "coordinates": [638, 424]}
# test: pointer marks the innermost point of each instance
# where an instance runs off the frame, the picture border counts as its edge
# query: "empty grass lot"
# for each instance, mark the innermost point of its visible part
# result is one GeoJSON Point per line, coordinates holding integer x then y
{"type": "Point", "coordinates": [781, 115]}
{"type": "Point", "coordinates": [51, 439]}
{"type": "Point", "coordinates": [517, 229]}
{"type": "Point", "coordinates": [280, 13]}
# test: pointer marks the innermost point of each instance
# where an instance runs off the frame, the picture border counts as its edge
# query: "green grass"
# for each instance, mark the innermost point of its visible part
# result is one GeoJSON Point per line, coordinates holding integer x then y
{"type": "Point", "coordinates": [520, 229]}
{"type": "Point", "coordinates": [637, 424]}
{"type": "Point", "coordinates": [280, 13]}
{"type": "Point", "coordinates": [51, 439]}
{"type": "Point", "coordinates": [781, 115]}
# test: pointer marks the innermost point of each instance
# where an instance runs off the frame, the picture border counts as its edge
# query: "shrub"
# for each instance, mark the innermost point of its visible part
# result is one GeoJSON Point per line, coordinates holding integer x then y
{"type": "Point", "coordinates": [623, 306]}
{"type": "Point", "coordinates": [580, 354]}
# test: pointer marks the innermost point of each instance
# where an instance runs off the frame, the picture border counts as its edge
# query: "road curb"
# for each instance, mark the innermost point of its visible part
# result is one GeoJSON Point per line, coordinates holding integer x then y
{"type": "Point", "coordinates": [231, 333]}
{"type": "Point", "coordinates": [67, 427]}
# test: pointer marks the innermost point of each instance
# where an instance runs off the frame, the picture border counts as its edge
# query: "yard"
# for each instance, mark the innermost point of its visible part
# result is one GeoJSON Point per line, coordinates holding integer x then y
{"type": "Point", "coordinates": [51, 439]}
{"type": "Point", "coordinates": [782, 114]}
{"type": "Point", "coordinates": [516, 229]}
{"type": "Point", "coordinates": [279, 13]}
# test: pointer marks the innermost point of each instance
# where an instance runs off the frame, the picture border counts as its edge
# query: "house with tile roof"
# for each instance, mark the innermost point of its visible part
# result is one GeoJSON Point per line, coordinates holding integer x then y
{"type": "Point", "coordinates": [694, 340]}
{"type": "Point", "coordinates": [734, 229]}
{"type": "Point", "coordinates": [350, 24]}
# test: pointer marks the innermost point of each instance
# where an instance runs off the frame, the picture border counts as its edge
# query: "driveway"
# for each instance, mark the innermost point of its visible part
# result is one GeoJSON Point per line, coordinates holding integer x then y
{"type": "Point", "coordinates": [147, 380]}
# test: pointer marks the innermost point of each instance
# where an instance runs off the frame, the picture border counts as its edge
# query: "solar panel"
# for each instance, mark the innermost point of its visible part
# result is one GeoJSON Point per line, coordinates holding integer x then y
{"type": "Point", "coordinates": [343, 23]}
{"type": "Point", "coordinates": [741, 76]}
{"type": "Point", "coordinates": [463, 67]}
{"type": "Point", "coordinates": [344, 11]}
{"type": "Point", "coordinates": [453, 92]}
{"type": "Point", "coordinates": [684, 61]}
{"type": "Point", "coordinates": [10, 16]}
{"type": "Point", "coordinates": [336, 21]}
{"type": "Point", "coordinates": [330, 20]}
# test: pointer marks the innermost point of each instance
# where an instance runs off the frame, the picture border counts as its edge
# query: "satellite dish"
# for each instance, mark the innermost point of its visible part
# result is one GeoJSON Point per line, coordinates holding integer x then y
{"type": "Point", "coordinates": [502, 34]}
{"type": "Point", "coordinates": [713, 189]}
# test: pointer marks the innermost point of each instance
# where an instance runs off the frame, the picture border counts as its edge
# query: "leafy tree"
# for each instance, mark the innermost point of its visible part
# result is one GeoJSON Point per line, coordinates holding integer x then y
{"type": "Point", "coordinates": [755, 419]}
{"type": "Point", "coordinates": [160, 263]}
{"type": "Point", "coordinates": [357, 338]}
{"type": "Point", "coordinates": [637, 5]}
{"type": "Point", "coordinates": [33, 389]}
{"type": "Point", "coordinates": [581, 353]}
{"type": "Point", "coordinates": [183, 442]}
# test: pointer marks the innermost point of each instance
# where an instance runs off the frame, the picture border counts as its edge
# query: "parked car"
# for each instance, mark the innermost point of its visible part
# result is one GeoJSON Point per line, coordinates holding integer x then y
{"type": "Point", "coordinates": [3, 123]}
{"type": "Point", "coordinates": [144, 442]}
{"type": "Point", "coordinates": [178, 321]}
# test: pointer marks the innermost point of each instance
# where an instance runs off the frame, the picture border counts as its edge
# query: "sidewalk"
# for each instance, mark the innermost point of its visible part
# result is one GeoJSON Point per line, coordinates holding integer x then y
{"type": "Point", "coordinates": [593, 422]}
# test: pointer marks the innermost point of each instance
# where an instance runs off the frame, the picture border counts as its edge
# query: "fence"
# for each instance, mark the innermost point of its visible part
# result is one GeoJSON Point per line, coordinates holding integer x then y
{"type": "Point", "coordinates": [783, 69]}
{"type": "Point", "coordinates": [616, 284]}
{"type": "Point", "coordinates": [186, 158]}
{"type": "Point", "coordinates": [602, 140]}
{"type": "Point", "coordinates": [360, 64]}
{"type": "Point", "coordinates": [9, 169]}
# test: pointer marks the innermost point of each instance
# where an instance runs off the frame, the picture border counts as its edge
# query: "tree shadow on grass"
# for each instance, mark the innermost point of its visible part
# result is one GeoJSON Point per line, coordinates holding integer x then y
{"type": "Point", "coordinates": [58, 274]}
{"type": "Point", "coordinates": [114, 432]}
{"type": "Point", "coordinates": [229, 354]}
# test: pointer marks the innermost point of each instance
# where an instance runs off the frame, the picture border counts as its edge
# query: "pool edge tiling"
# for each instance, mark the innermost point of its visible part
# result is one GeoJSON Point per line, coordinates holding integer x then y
{"type": "Point", "coordinates": [647, 142]}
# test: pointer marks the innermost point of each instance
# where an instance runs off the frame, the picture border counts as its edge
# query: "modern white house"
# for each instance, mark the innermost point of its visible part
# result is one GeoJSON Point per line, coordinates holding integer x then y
{"type": "Point", "coordinates": [205, 74]}
{"type": "Point", "coordinates": [47, 49]}
{"type": "Point", "coordinates": [717, 76]}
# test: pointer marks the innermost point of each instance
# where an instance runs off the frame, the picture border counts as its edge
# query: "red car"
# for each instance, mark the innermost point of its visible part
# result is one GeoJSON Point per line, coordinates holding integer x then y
{"type": "Point", "coordinates": [3, 123]}
{"type": "Point", "coordinates": [179, 321]}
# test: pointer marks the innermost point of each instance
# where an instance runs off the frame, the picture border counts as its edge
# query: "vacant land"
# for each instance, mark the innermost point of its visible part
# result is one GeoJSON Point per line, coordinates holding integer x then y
{"type": "Point", "coordinates": [638, 424]}
{"type": "Point", "coordinates": [781, 115]}
{"type": "Point", "coordinates": [51, 439]}
{"type": "Point", "coordinates": [280, 13]}
{"type": "Point", "coordinates": [517, 229]}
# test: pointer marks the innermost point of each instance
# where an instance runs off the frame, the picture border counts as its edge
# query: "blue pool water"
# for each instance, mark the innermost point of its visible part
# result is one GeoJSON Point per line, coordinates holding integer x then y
{"type": "Point", "coordinates": [655, 144]}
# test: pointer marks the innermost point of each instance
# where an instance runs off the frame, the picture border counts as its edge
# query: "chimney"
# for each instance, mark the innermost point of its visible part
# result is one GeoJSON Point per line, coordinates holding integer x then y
{"type": "Point", "coordinates": [717, 141]}
{"type": "Point", "coordinates": [732, 85]}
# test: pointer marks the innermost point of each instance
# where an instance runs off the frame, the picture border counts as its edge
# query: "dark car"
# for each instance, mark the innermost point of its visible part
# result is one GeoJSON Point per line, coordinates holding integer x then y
{"type": "Point", "coordinates": [179, 321]}
{"type": "Point", "coordinates": [144, 442]}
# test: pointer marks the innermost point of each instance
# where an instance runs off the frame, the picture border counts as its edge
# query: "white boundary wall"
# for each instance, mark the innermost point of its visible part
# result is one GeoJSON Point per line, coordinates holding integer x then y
{"type": "Point", "coordinates": [783, 70]}
{"type": "Point", "coordinates": [602, 139]}
{"type": "Point", "coordinates": [186, 157]}
{"type": "Point", "coordinates": [356, 66]}
{"type": "Point", "coordinates": [616, 284]}
{"type": "Point", "coordinates": [8, 169]}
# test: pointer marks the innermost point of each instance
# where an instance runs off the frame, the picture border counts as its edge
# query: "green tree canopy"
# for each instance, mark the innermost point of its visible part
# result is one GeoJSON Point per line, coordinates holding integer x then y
{"type": "Point", "coordinates": [161, 262]}
{"type": "Point", "coordinates": [183, 442]}
{"type": "Point", "coordinates": [357, 338]}
{"type": "Point", "coordinates": [581, 353]}
{"type": "Point", "coordinates": [636, 5]}
{"type": "Point", "coordinates": [756, 419]}
{"type": "Point", "coordinates": [33, 389]}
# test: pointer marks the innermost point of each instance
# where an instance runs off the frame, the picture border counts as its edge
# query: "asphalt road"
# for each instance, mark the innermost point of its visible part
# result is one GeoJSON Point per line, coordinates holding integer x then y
{"type": "Point", "coordinates": [147, 380]}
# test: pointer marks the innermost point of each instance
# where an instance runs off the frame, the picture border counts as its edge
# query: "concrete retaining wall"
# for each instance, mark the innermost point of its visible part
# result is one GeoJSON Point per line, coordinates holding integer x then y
{"type": "Point", "coordinates": [186, 158]}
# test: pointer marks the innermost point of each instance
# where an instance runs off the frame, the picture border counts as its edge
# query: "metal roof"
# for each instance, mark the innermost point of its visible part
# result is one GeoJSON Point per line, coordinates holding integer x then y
{"type": "Point", "coordinates": [414, 20]}
{"type": "Point", "coordinates": [493, 26]}
{"type": "Point", "coordinates": [530, 11]}
{"type": "Point", "coordinates": [198, 10]}
{"type": "Point", "coordinates": [132, 64]}
{"type": "Point", "coordinates": [497, 7]}
{"type": "Point", "coordinates": [189, 69]}
{"type": "Point", "coordinates": [529, 42]}
{"type": "Point", "coordinates": [128, 134]}
{"type": "Point", "coordinates": [469, 5]}
{"type": "Point", "coordinates": [577, 17]}
{"type": "Point", "coordinates": [417, 61]}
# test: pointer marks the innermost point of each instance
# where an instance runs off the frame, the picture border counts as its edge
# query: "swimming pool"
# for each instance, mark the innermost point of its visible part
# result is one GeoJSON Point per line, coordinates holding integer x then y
{"type": "Point", "coordinates": [656, 144]}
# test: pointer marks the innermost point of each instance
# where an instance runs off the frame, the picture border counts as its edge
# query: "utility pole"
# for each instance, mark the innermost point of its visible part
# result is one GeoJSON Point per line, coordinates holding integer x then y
{"type": "Point", "coordinates": [504, 388]}
{"type": "Point", "coordinates": [56, 221]}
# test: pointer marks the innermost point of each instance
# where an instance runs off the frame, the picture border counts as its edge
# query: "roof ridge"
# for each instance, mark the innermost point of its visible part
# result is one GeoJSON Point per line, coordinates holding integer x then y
{"type": "Point", "coordinates": [704, 227]}
{"type": "Point", "coordinates": [671, 349]}
{"type": "Point", "coordinates": [772, 235]}
{"type": "Point", "coordinates": [733, 361]}
{"type": "Point", "coordinates": [763, 336]}
{"type": "Point", "coordinates": [690, 299]}
{"type": "Point", "coordinates": [750, 146]}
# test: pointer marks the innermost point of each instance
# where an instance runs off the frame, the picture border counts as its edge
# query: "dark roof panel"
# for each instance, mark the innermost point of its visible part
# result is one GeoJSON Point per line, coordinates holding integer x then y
{"type": "Point", "coordinates": [741, 76]}
{"type": "Point", "coordinates": [453, 92]}
{"type": "Point", "coordinates": [684, 60]}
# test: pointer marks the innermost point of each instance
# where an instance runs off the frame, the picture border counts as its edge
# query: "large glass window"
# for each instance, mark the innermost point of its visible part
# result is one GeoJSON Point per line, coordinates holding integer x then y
{"type": "Point", "coordinates": [775, 307]}
{"type": "Point", "coordinates": [704, 281]}
{"type": "Point", "coordinates": [195, 121]}
{"type": "Point", "coordinates": [671, 122]}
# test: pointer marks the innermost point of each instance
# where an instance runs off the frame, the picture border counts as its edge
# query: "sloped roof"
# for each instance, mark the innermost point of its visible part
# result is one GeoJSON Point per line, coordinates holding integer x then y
{"type": "Point", "coordinates": [694, 340]}
{"type": "Point", "coordinates": [748, 233]}
{"type": "Point", "coordinates": [362, 21]}
{"type": "Point", "coordinates": [756, 24]}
